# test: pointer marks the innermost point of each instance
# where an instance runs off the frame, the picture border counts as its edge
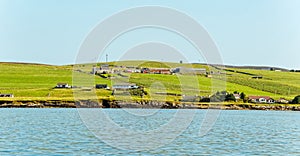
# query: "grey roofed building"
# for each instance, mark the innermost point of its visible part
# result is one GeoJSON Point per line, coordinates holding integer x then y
{"type": "Point", "coordinates": [103, 69]}
{"type": "Point", "coordinates": [184, 70]}
{"type": "Point", "coordinates": [125, 86]}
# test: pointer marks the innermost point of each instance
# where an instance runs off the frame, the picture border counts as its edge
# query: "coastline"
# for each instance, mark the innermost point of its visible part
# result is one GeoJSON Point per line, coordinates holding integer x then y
{"type": "Point", "coordinates": [104, 103]}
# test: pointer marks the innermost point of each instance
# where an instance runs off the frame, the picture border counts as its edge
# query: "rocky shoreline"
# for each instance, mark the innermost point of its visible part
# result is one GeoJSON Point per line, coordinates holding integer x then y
{"type": "Point", "coordinates": [143, 104]}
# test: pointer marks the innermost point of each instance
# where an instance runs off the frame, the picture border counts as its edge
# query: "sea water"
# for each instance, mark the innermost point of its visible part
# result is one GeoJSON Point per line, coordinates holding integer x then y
{"type": "Point", "coordinates": [64, 132]}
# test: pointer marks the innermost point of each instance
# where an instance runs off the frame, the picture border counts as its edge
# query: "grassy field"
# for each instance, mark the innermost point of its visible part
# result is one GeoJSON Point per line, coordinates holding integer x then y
{"type": "Point", "coordinates": [36, 81]}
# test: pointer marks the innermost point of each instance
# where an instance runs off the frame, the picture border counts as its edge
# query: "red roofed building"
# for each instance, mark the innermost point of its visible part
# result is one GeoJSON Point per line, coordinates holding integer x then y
{"type": "Point", "coordinates": [156, 70]}
{"type": "Point", "coordinates": [261, 99]}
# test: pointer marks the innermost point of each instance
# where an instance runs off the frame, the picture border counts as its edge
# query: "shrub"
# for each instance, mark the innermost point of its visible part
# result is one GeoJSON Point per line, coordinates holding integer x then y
{"type": "Point", "coordinates": [230, 97]}
{"type": "Point", "coordinates": [296, 100]}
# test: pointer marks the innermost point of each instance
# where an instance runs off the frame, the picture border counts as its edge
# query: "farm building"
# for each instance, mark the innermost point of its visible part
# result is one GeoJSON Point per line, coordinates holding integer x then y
{"type": "Point", "coordinates": [124, 86]}
{"type": "Point", "coordinates": [102, 70]}
{"type": "Point", "coordinates": [145, 70]}
{"type": "Point", "coordinates": [7, 95]}
{"type": "Point", "coordinates": [261, 99]}
{"type": "Point", "coordinates": [63, 85]}
{"type": "Point", "coordinates": [160, 71]}
{"type": "Point", "coordinates": [104, 66]}
{"type": "Point", "coordinates": [183, 70]}
{"type": "Point", "coordinates": [95, 70]}
{"type": "Point", "coordinates": [132, 70]}
{"type": "Point", "coordinates": [156, 70]}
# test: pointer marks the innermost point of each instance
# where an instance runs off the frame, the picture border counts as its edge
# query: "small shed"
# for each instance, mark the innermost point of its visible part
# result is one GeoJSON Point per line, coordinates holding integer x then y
{"type": "Point", "coordinates": [208, 75]}
{"type": "Point", "coordinates": [101, 86]}
{"type": "Point", "coordinates": [257, 77]}
{"type": "Point", "coordinates": [282, 101]}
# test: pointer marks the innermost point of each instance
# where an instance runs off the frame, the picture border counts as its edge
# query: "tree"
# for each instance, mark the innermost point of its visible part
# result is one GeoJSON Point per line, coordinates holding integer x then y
{"type": "Point", "coordinates": [224, 92]}
{"type": "Point", "coordinates": [230, 97]}
{"type": "Point", "coordinates": [243, 96]}
{"type": "Point", "coordinates": [205, 99]}
{"type": "Point", "coordinates": [296, 100]}
{"type": "Point", "coordinates": [218, 96]}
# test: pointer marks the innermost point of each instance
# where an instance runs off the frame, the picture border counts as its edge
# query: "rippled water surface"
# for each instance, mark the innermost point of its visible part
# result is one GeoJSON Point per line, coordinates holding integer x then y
{"type": "Point", "coordinates": [62, 132]}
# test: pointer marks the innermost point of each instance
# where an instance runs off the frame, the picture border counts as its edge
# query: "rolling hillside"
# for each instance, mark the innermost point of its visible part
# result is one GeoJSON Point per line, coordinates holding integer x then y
{"type": "Point", "coordinates": [37, 81]}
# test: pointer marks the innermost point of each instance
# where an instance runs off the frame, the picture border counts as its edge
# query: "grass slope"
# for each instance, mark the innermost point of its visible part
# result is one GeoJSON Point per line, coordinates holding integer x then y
{"type": "Point", "coordinates": [278, 83]}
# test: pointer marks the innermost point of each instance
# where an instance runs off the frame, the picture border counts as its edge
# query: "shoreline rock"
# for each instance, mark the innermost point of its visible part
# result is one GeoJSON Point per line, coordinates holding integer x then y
{"type": "Point", "coordinates": [140, 104]}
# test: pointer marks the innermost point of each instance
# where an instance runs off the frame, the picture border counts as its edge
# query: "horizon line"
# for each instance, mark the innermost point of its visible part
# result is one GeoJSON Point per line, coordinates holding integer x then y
{"type": "Point", "coordinates": [233, 65]}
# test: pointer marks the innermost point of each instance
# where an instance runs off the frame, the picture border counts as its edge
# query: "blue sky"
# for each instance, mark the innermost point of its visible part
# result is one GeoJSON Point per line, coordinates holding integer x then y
{"type": "Point", "coordinates": [247, 32]}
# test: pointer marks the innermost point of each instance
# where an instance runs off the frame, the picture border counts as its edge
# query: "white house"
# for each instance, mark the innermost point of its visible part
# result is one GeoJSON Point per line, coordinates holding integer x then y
{"type": "Point", "coordinates": [237, 96]}
{"type": "Point", "coordinates": [7, 95]}
{"type": "Point", "coordinates": [125, 86]}
{"type": "Point", "coordinates": [63, 85]}
{"type": "Point", "coordinates": [261, 99]}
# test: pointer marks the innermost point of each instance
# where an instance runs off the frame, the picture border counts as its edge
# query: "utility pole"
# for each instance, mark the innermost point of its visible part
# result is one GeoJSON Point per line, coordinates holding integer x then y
{"type": "Point", "coordinates": [106, 58]}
